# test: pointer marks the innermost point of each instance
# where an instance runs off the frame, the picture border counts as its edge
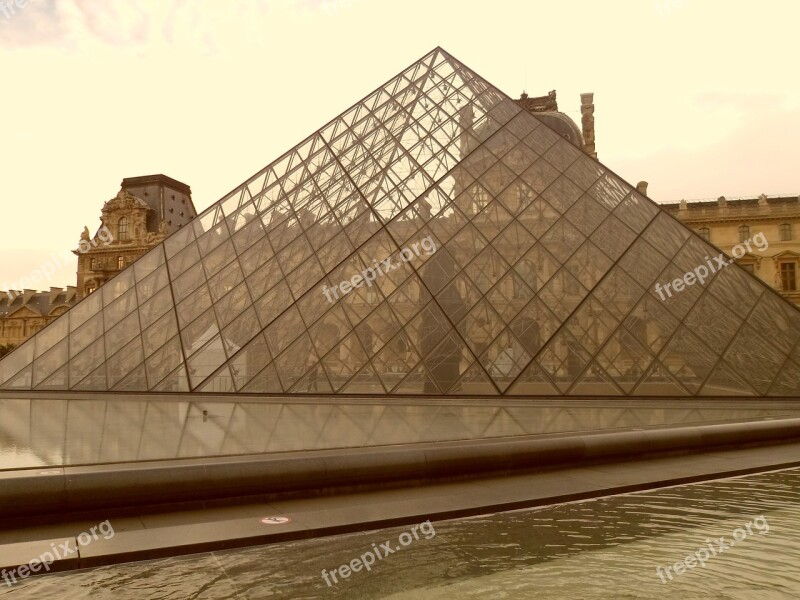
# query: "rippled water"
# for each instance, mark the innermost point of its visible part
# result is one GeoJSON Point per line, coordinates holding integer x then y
{"type": "Point", "coordinates": [605, 548]}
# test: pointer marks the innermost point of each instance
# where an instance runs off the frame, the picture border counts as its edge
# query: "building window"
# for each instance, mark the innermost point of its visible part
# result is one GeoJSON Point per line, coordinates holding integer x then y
{"type": "Point", "coordinates": [705, 233]}
{"type": "Point", "coordinates": [93, 264]}
{"type": "Point", "coordinates": [122, 230]}
{"type": "Point", "coordinates": [90, 289]}
{"type": "Point", "coordinates": [786, 232]}
{"type": "Point", "coordinates": [120, 262]}
{"type": "Point", "coordinates": [788, 277]}
{"type": "Point", "coordinates": [749, 267]}
{"type": "Point", "coordinates": [744, 233]}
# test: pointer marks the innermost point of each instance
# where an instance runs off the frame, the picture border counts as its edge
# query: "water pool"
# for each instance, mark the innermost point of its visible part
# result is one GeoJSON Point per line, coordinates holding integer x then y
{"type": "Point", "coordinates": [603, 548]}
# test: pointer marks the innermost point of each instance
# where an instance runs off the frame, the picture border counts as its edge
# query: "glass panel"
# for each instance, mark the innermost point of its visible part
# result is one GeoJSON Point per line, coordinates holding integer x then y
{"type": "Point", "coordinates": [88, 333]}
{"type": "Point", "coordinates": [609, 191]}
{"type": "Point", "coordinates": [563, 359]}
{"type": "Point", "coordinates": [777, 321]}
{"type": "Point", "coordinates": [505, 359]}
{"type": "Point", "coordinates": [688, 359]}
{"type": "Point", "coordinates": [636, 211]}
{"type": "Point", "coordinates": [164, 361]}
{"type": "Point", "coordinates": [51, 335]}
{"type": "Point", "coordinates": [121, 334]}
{"type": "Point", "coordinates": [174, 382]}
{"type": "Point", "coordinates": [297, 360]}
{"type": "Point", "coordinates": [189, 281]}
{"type": "Point", "coordinates": [84, 363]}
{"type": "Point", "coordinates": [193, 306]}
{"type": "Point", "coordinates": [119, 309]}
{"type": "Point", "coordinates": [178, 241]}
{"type": "Point", "coordinates": [643, 262]}
{"type": "Point", "coordinates": [624, 359]}
{"type": "Point", "coordinates": [158, 335]}
{"type": "Point", "coordinates": [232, 305]}
{"type": "Point", "coordinates": [50, 362]}
{"type": "Point", "coordinates": [588, 265]}
{"type": "Point", "coordinates": [240, 331]}
{"type": "Point", "coordinates": [117, 286]}
{"type": "Point", "coordinates": [154, 308]}
{"type": "Point", "coordinates": [736, 290]}
{"type": "Point", "coordinates": [754, 358]}
{"type": "Point", "coordinates": [250, 361]}
{"type": "Point", "coordinates": [83, 311]}
{"type": "Point", "coordinates": [148, 263]}
{"type": "Point", "coordinates": [666, 234]}
{"type": "Point", "coordinates": [724, 381]}
{"type": "Point", "coordinates": [183, 260]}
{"type": "Point", "coordinates": [152, 284]}
{"type": "Point", "coordinates": [562, 240]}
{"type": "Point", "coordinates": [273, 303]}
{"type": "Point", "coordinates": [124, 362]}
{"type": "Point", "coordinates": [218, 258]}
{"type": "Point", "coordinates": [586, 214]}
{"type": "Point", "coordinates": [713, 323]}
{"type": "Point", "coordinates": [562, 194]}
{"type": "Point", "coordinates": [205, 362]}
{"type": "Point", "coordinates": [199, 332]}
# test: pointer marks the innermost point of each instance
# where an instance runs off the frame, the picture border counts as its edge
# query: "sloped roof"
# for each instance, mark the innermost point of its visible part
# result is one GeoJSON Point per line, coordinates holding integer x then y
{"type": "Point", "coordinates": [433, 239]}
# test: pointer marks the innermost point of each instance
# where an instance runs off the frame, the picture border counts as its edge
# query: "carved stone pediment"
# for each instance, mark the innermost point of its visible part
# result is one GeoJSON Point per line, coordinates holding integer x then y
{"type": "Point", "coordinates": [124, 201]}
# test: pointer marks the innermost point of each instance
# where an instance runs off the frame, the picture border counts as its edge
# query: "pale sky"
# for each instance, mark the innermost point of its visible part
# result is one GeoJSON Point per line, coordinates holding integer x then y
{"type": "Point", "coordinates": [700, 98]}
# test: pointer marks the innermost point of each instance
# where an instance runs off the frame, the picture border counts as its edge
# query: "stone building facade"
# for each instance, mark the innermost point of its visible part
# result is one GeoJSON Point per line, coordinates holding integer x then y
{"type": "Point", "coordinates": [139, 217]}
{"type": "Point", "coordinates": [727, 223]}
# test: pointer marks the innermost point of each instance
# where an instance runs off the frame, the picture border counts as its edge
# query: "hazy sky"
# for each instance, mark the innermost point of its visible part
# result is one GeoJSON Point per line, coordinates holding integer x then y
{"type": "Point", "coordinates": [698, 97]}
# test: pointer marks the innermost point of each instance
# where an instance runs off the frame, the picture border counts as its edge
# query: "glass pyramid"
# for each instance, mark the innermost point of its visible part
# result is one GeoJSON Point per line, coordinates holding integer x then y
{"type": "Point", "coordinates": [433, 239]}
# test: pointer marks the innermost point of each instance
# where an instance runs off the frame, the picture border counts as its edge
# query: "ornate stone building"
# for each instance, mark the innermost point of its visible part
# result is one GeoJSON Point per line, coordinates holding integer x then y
{"type": "Point", "coordinates": [140, 216]}
{"type": "Point", "coordinates": [727, 223]}
{"type": "Point", "coordinates": [25, 312]}
{"type": "Point", "coordinates": [546, 108]}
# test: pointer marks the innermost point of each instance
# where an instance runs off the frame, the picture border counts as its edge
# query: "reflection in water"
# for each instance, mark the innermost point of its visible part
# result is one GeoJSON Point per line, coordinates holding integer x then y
{"type": "Point", "coordinates": [60, 430]}
{"type": "Point", "coordinates": [605, 548]}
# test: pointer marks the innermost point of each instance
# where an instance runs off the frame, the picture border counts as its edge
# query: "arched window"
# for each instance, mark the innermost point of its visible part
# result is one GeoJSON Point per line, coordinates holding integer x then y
{"type": "Point", "coordinates": [705, 233]}
{"type": "Point", "coordinates": [120, 263]}
{"type": "Point", "coordinates": [122, 230]}
{"type": "Point", "coordinates": [786, 232]}
{"type": "Point", "coordinates": [744, 233]}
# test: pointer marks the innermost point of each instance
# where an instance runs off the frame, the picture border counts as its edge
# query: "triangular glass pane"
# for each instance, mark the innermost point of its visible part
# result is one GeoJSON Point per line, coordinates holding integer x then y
{"type": "Point", "coordinates": [658, 381]}
{"type": "Point", "coordinates": [724, 381]}
{"type": "Point", "coordinates": [264, 382]}
{"type": "Point", "coordinates": [533, 382]}
{"type": "Point", "coordinates": [596, 382]}
{"type": "Point", "coordinates": [786, 382]}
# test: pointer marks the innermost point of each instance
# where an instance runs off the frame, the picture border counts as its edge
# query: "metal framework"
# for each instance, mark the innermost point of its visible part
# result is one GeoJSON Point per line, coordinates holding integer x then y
{"type": "Point", "coordinates": [537, 277]}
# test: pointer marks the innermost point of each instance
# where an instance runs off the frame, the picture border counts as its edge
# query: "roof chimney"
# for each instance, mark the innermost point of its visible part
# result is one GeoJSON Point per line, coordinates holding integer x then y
{"type": "Point", "coordinates": [641, 187]}
{"type": "Point", "coordinates": [54, 292]}
{"type": "Point", "coordinates": [587, 122]}
{"type": "Point", "coordinates": [27, 295]}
